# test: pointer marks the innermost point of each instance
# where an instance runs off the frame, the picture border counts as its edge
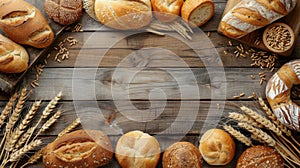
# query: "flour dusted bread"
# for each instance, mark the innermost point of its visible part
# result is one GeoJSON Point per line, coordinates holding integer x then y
{"type": "Point", "coordinates": [197, 12]}
{"type": "Point", "coordinates": [249, 15]}
{"type": "Point", "coordinates": [217, 147]}
{"type": "Point", "coordinates": [124, 15]}
{"type": "Point", "coordinates": [136, 149]}
{"type": "Point", "coordinates": [166, 10]}
{"type": "Point", "coordinates": [82, 148]}
{"type": "Point", "coordinates": [25, 24]}
{"type": "Point", "coordinates": [182, 154]}
{"type": "Point", "coordinates": [64, 12]}
{"type": "Point", "coordinates": [13, 57]}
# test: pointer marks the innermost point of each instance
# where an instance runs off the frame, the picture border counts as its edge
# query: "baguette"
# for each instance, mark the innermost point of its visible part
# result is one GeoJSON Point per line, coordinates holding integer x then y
{"type": "Point", "coordinates": [25, 24]}
{"type": "Point", "coordinates": [166, 10]}
{"type": "Point", "coordinates": [13, 57]}
{"type": "Point", "coordinates": [249, 15]}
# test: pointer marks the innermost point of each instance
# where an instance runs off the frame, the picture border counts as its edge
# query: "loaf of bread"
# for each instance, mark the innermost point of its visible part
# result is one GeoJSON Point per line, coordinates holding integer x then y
{"type": "Point", "coordinates": [217, 147]}
{"type": "Point", "coordinates": [82, 148]}
{"type": "Point", "coordinates": [64, 12]}
{"type": "Point", "coordinates": [13, 57]}
{"type": "Point", "coordinates": [249, 15]}
{"type": "Point", "coordinates": [260, 156]}
{"type": "Point", "coordinates": [197, 12]}
{"type": "Point", "coordinates": [124, 15]}
{"type": "Point", "coordinates": [278, 91]}
{"type": "Point", "coordinates": [166, 10]}
{"type": "Point", "coordinates": [25, 24]}
{"type": "Point", "coordinates": [182, 154]}
{"type": "Point", "coordinates": [136, 149]}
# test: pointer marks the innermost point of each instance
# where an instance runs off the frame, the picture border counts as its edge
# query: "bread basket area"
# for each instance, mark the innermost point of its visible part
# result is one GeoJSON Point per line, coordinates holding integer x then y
{"type": "Point", "coordinates": [149, 83]}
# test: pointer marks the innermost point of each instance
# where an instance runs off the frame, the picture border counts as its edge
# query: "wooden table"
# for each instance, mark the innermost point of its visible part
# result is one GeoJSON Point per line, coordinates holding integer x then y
{"type": "Point", "coordinates": [158, 93]}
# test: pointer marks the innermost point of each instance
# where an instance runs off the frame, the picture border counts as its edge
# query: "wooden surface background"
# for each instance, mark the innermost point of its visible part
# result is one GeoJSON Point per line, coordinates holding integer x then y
{"type": "Point", "coordinates": [146, 87]}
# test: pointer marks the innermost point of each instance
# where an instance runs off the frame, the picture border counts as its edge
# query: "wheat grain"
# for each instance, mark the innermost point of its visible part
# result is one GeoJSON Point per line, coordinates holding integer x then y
{"type": "Point", "coordinates": [7, 109]}
{"type": "Point", "coordinates": [244, 118]}
{"type": "Point", "coordinates": [238, 135]}
{"type": "Point", "coordinates": [74, 124]}
{"type": "Point", "coordinates": [19, 153]}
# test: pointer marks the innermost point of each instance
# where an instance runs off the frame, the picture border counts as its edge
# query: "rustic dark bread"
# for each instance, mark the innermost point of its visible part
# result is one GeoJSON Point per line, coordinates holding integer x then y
{"type": "Point", "coordinates": [217, 147]}
{"type": "Point", "coordinates": [25, 24]}
{"type": "Point", "coordinates": [260, 156]}
{"type": "Point", "coordinates": [197, 12]}
{"type": "Point", "coordinates": [166, 10]}
{"type": "Point", "coordinates": [123, 15]}
{"type": "Point", "coordinates": [13, 57]}
{"type": "Point", "coordinates": [278, 91]}
{"type": "Point", "coordinates": [249, 15]}
{"type": "Point", "coordinates": [64, 12]}
{"type": "Point", "coordinates": [182, 154]}
{"type": "Point", "coordinates": [82, 148]}
{"type": "Point", "coordinates": [136, 149]}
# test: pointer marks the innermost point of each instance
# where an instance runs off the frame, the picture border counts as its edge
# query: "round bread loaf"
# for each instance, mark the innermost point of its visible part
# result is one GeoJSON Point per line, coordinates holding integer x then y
{"type": "Point", "coordinates": [217, 147]}
{"type": "Point", "coordinates": [260, 156]}
{"type": "Point", "coordinates": [13, 57]}
{"type": "Point", "coordinates": [182, 154]}
{"type": "Point", "coordinates": [82, 148]}
{"type": "Point", "coordinates": [166, 10]}
{"type": "Point", "coordinates": [197, 12]}
{"type": "Point", "coordinates": [64, 12]}
{"type": "Point", "coordinates": [136, 149]}
{"type": "Point", "coordinates": [124, 15]}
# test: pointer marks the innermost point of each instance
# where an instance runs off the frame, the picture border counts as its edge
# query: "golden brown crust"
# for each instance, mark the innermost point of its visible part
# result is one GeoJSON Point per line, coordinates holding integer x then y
{"type": "Point", "coordinates": [250, 16]}
{"type": "Point", "coordinates": [166, 10]}
{"type": "Point", "coordinates": [182, 154]}
{"type": "Point", "coordinates": [230, 31]}
{"type": "Point", "coordinates": [88, 148]}
{"type": "Point", "coordinates": [64, 12]}
{"type": "Point", "coordinates": [260, 156]}
{"type": "Point", "coordinates": [136, 149]}
{"type": "Point", "coordinates": [25, 24]}
{"type": "Point", "coordinates": [217, 147]}
{"type": "Point", "coordinates": [13, 57]}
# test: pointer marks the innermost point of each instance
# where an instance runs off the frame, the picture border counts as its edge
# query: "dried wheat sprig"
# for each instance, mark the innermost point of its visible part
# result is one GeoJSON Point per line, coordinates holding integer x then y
{"type": "Point", "coordinates": [34, 158]}
{"type": "Point", "coordinates": [12, 140]}
{"type": "Point", "coordinates": [244, 118]}
{"type": "Point", "coordinates": [262, 120]}
{"type": "Point", "coordinates": [19, 153]}
{"type": "Point", "coordinates": [238, 135]}
{"type": "Point", "coordinates": [259, 133]}
{"type": "Point", "coordinates": [52, 104]}
{"type": "Point", "coordinates": [7, 109]}
{"type": "Point", "coordinates": [74, 124]}
{"type": "Point", "coordinates": [24, 137]}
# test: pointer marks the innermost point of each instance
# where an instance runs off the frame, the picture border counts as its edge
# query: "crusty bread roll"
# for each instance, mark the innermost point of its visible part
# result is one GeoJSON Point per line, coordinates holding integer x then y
{"type": "Point", "coordinates": [136, 149]}
{"type": "Point", "coordinates": [13, 57]}
{"type": "Point", "coordinates": [278, 91]}
{"type": "Point", "coordinates": [197, 12]}
{"type": "Point", "coordinates": [217, 147]}
{"type": "Point", "coordinates": [25, 24]}
{"type": "Point", "coordinates": [249, 15]}
{"type": "Point", "coordinates": [124, 15]}
{"type": "Point", "coordinates": [182, 154]}
{"type": "Point", "coordinates": [64, 12]}
{"type": "Point", "coordinates": [82, 148]}
{"type": "Point", "coordinates": [166, 10]}
{"type": "Point", "coordinates": [260, 156]}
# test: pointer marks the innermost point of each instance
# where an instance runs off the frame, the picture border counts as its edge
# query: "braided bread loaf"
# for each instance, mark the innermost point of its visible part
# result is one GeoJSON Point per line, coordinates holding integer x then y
{"type": "Point", "coordinates": [278, 94]}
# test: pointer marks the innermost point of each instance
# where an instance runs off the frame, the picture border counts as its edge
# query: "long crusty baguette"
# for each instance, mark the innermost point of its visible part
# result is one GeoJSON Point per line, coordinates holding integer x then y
{"type": "Point", "coordinates": [13, 57]}
{"type": "Point", "coordinates": [249, 15]}
{"type": "Point", "coordinates": [25, 24]}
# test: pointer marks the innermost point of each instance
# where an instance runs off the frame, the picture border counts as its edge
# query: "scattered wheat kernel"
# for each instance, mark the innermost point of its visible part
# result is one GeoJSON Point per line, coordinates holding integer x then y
{"type": "Point", "coordinates": [236, 97]}
{"type": "Point", "coordinates": [208, 34]}
{"type": "Point", "coordinates": [230, 43]}
{"type": "Point", "coordinates": [261, 81]}
{"type": "Point", "coordinates": [252, 76]}
{"type": "Point", "coordinates": [242, 94]}
{"type": "Point", "coordinates": [225, 52]}
{"type": "Point", "coordinates": [250, 97]}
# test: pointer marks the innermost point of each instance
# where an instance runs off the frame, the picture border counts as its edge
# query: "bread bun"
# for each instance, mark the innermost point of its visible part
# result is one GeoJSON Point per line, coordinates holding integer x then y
{"type": "Point", "coordinates": [136, 149]}
{"type": "Point", "coordinates": [13, 57]}
{"type": "Point", "coordinates": [197, 12]}
{"type": "Point", "coordinates": [124, 15]}
{"type": "Point", "coordinates": [260, 156]}
{"type": "Point", "coordinates": [82, 148]}
{"type": "Point", "coordinates": [64, 12]}
{"type": "Point", "coordinates": [182, 154]}
{"type": "Point", "coordinates": [166, 10]}
{"type": "Point", "coordinates": [25, 24]}
{"type": "Point", "coordinates": [217, 147]}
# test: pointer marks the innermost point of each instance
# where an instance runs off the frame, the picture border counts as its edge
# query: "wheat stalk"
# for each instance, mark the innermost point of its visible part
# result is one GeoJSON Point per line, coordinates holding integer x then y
{"type": "Point", "coordinates": [74, 124]}
{"type": "Point", "coordinates": [49, 122]}
{"type": "Point", "coordinates": [6, 111]}
{"type": "Point", "coordinates": [52, 104]}
{"type": "Point", "coordinates": [239, 136]}
{"type": "Point", "coordinates": [19, 153]}
{"type": "Point", "coordinates": [34, 158]}
{"type": "Point", "coordinates": [24, 137]}
{"type": "Point", "coordinates": [244, 118]}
